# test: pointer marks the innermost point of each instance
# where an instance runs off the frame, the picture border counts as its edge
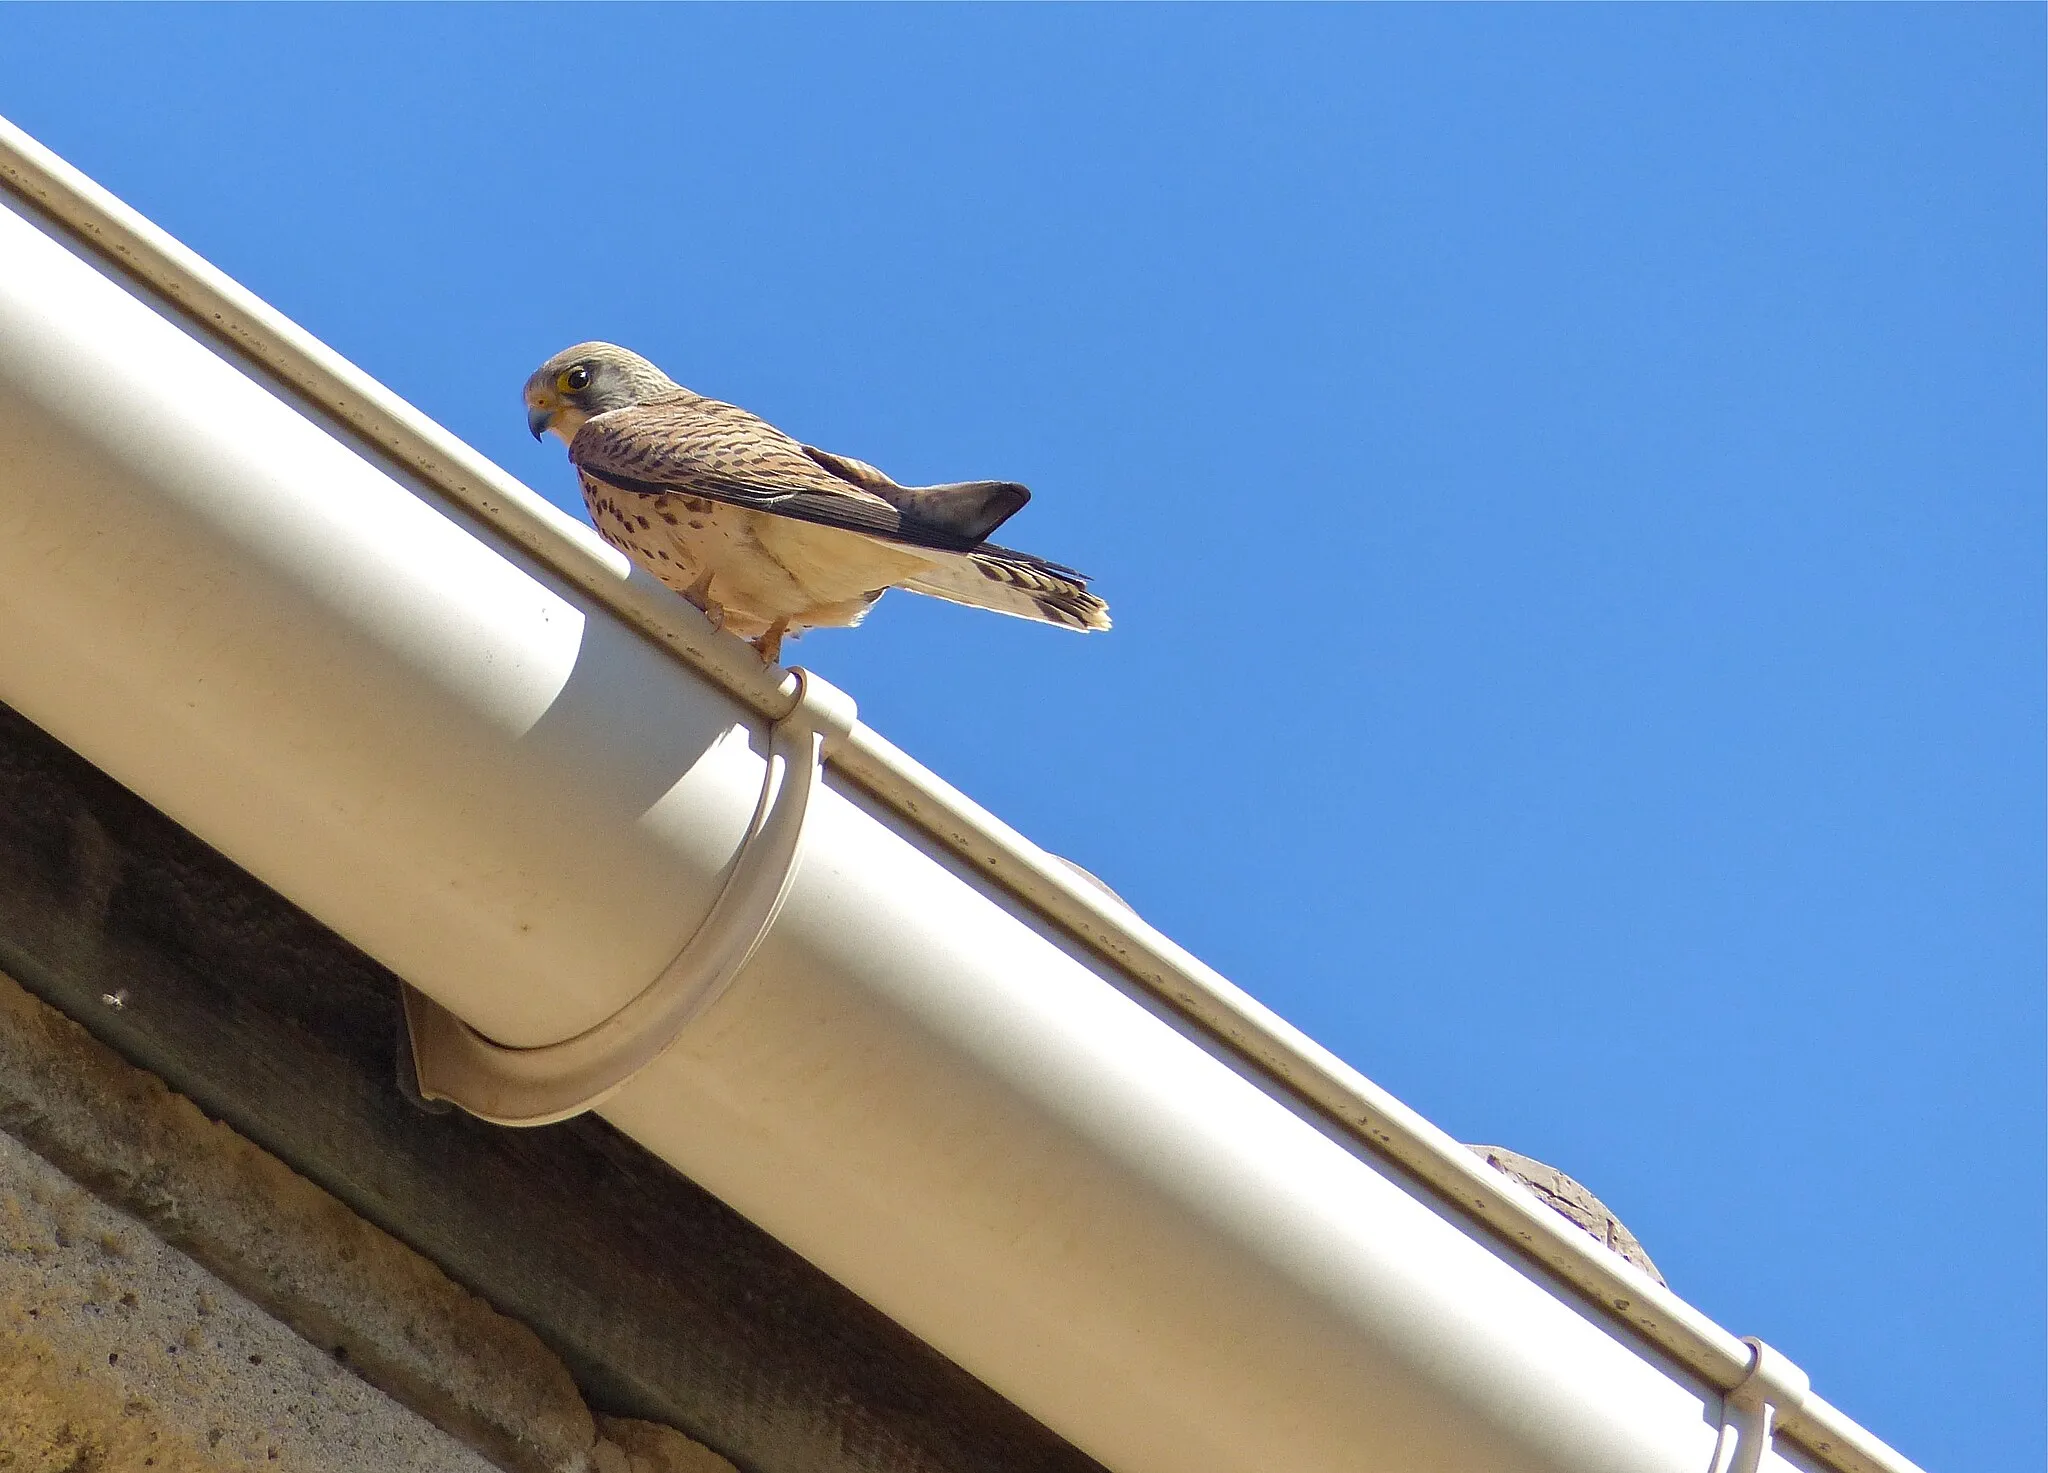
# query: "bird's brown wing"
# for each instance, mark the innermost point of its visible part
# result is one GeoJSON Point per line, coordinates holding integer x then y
{"type": "Point", "coordinates": [854, 472]}
{"type": "Point", "coordinates": [691, 446]}
{"type": "Point", "coordinates": [964, 508]}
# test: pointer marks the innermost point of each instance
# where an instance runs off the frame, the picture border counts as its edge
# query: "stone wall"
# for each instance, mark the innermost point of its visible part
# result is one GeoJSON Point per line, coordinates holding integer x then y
{"type": "Point", "coordinates": [173, 1298]}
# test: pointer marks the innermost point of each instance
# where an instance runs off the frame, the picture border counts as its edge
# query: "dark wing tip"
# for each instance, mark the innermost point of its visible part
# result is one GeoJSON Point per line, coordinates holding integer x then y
{"type": "Point", "coordinates": [965, 509]}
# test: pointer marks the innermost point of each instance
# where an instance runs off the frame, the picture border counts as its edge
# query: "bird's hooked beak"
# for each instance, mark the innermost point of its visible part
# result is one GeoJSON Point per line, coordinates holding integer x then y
{"type": "Point", "coordinates": [538, 418]}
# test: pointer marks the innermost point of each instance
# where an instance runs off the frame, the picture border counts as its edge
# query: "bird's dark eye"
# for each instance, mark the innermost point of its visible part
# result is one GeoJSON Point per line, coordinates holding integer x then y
{"type": "Point", "coordinates": [576, 380]}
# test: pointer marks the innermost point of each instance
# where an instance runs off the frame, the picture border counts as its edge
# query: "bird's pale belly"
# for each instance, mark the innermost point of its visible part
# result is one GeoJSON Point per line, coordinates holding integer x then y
{"type": "Point", "coordinates": [762, 569]}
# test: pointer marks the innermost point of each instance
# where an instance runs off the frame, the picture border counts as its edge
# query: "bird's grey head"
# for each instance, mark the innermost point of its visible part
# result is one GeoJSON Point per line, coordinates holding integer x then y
{"type": "Point", "coordinates": [587, 380]}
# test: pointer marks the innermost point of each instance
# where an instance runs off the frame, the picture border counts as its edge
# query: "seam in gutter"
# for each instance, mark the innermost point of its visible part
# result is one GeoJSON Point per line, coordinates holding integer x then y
{"type": "Point", "coordinates": [252, 329]}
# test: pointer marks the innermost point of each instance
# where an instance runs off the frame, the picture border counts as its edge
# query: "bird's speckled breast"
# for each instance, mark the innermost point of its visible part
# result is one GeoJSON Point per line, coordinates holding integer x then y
{"type": "Point", "coordinates": [760, 568]}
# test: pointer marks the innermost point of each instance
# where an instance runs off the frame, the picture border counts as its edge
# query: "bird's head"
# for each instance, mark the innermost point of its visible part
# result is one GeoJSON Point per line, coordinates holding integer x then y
{"type": "Point", "coordinates": [587, 380]}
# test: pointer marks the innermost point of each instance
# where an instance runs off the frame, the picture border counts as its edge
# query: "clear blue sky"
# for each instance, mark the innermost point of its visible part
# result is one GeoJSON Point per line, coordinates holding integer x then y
{"type": "Point", "coordinates": [1569, 482]}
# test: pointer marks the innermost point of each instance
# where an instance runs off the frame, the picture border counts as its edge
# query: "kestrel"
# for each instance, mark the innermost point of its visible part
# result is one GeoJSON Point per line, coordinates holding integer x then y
{"type": "Point", "coordinates": [768, 536]}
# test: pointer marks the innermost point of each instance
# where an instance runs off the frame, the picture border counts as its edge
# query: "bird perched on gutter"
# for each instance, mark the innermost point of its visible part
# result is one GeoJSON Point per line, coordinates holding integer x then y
{"type": "Point", "coordinates": [768, 536]}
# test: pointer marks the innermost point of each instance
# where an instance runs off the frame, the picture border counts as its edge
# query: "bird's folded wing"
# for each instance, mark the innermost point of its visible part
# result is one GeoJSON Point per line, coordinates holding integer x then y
{"type": "Point", "coordinates": [854, 472]}
{"type": "Point", "coordinates": [702, 447]}
{"type": "Point", "coordinates": [963, 508]}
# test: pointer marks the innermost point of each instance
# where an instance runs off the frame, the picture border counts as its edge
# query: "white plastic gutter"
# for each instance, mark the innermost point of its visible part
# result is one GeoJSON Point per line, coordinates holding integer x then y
{"type": "Point", "coordinates": [389, 680]}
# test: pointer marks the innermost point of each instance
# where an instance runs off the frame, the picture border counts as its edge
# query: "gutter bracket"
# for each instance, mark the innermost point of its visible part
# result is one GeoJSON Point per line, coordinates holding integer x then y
{"type": "Point", "coordinates": [1773, 1390]}
{"type": "Point", "coordinates": [540, 1086]}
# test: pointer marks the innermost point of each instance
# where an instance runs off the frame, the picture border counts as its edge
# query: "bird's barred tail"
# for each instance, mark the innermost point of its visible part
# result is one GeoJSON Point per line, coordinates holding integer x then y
{"type": "Point", "coordinates": [1016, 583]}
